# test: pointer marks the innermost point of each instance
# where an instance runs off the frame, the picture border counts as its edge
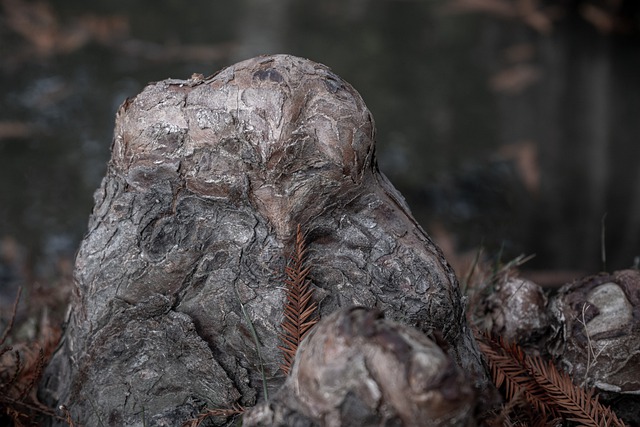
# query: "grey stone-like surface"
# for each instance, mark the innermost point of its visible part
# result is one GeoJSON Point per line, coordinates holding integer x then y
{"type": "Point", "coordinates": [516, 311]}
{"type": "Point", "coordinates": [208, 180]}
{"type": "Point", "coordinates": [597, 330]}
{"type": "Point", "coordinates": [357, 368]}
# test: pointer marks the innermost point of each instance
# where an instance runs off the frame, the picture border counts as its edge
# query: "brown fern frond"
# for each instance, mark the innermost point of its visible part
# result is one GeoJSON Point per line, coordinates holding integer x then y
{"type": "Point", "coordinates": [300, 311]}
{"type": "Point", "coordinates": [508, 368]}
{"type": "Point", "coordinates": [575, 403]}
{"type": "Point", "coordinates": [550, 391]}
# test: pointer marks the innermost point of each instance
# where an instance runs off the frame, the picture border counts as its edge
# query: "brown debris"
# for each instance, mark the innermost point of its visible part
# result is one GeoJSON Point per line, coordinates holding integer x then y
{"type": "Point", "coordinates": [21, 367]}
{"type": "Point", "coordinates": [300, 311]}
{"type": "Point", "coordinates": [542, 385]}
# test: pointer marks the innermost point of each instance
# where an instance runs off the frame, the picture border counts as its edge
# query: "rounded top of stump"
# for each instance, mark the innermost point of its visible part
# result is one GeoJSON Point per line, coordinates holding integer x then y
{"type": "Point", "coordinates": [357, 358]}
{"type": "Point", "coordinates": [273, 128]}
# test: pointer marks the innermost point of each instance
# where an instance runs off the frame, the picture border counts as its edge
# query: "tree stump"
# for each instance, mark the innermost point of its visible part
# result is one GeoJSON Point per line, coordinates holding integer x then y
{"type": "Point", "coordinates": [208, 180]}
{"type": "Point", "coordinates": [589, 328]}
{"type": "Point", "coordinates": [358, 369]}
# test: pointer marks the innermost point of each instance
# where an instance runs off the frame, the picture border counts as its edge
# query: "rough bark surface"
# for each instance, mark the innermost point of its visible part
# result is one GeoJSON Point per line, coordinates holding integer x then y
{"type": "Point", "coordinates": [599, 315]}
{"type": "Point", "coordinates": [596, 337]}
{"type": "Point", "coordinates": [358, 369]}
{"type": "Point", "coordinates": [590, 328]}
{"type": "Point", "coordinates": [208, 180]}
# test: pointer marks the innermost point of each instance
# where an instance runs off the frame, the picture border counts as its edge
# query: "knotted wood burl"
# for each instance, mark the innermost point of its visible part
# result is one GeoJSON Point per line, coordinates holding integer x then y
{"type": "Point", "coordinates": [208, 179]}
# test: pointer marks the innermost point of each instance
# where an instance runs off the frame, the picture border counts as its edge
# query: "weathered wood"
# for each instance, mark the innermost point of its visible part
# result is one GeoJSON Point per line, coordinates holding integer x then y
{"type": "Point", "coordinates": [208, 180]}
{"type": "Point", "coordinates": [589, 328]}
{"type": "Point", "coordinates": [358, 369]}
{"type": "Point", "coordinates": [595, 337]}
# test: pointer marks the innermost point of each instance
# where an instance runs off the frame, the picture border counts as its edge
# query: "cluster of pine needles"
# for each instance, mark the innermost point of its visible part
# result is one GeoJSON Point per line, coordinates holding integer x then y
{"type": "Point", "coordinates": [537, 393]}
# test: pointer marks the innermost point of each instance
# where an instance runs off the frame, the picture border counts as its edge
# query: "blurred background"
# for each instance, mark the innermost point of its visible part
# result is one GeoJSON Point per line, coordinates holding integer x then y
{"type": "Point", "coordinates": [508, 125]}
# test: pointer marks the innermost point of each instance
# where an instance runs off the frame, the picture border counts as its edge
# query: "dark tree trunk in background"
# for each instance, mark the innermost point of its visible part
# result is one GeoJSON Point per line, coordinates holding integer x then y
{"type": "Point", "coordinates": [581, 115]}
{"type": "Point", "coordinates": [207, 183]}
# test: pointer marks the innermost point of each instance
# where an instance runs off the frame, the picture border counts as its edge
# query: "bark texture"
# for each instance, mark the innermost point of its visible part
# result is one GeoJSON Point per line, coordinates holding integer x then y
{"type": "Point", "coordinates": [207, 182]}
{"type": "Point", "coordinates": [596, 337]}
{"type": "Point", "coordinates": [358, 369]}
{"type": "Point", "coordinates": [590, 328]}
